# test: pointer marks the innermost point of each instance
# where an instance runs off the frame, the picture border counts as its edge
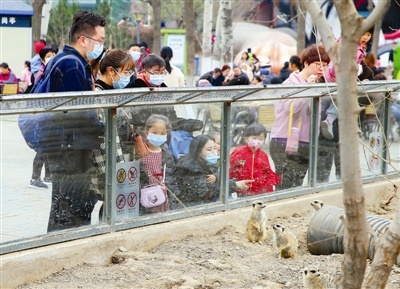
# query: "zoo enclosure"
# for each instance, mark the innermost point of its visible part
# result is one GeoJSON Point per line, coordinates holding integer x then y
{"type": "Point", "coordinates": [227, 98]}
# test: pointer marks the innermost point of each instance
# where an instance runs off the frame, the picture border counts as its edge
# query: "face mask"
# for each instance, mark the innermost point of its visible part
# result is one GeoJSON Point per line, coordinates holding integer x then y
{"type": "Point", "coordinates": [97, 50]}
{"type": "Point", "coordinates": [121, 83]}
{"type": "Point", "coordinates": [47, 59]}
{"type": "Point", "coordinates": [156, 140]}
{"type": "Point", "coordinates": [156, 80]}
{"type": "Point", "coordinates": [255, 144]}
{"type": "Point", "coordinates": [212, 158]}
{"type": "Point", "coordinates": [135, 55]}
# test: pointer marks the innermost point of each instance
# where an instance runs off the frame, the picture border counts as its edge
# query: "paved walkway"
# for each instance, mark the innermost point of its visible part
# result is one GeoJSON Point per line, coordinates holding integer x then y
{"type": "Point", "coordinates": [24, 211]}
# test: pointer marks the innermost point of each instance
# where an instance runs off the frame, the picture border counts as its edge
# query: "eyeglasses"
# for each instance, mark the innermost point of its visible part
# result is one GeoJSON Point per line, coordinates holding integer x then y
{"type": "Point", "coordinates": [320, 65]}
{"type": "Point", "coordinates": [164, 72]}
{"type": "Point", "coordinates": [98, 41]}
{"type": "Point", "coordinates": [124, 73]}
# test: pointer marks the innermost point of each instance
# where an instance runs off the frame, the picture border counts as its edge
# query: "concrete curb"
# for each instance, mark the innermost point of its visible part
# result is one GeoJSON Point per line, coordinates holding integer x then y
{"type": "Point", "coordinates": [34, 264]}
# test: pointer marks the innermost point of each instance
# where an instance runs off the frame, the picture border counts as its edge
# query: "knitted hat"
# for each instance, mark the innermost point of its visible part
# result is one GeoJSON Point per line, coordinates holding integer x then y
{"type": "Point", "coordinates": [38, 45]}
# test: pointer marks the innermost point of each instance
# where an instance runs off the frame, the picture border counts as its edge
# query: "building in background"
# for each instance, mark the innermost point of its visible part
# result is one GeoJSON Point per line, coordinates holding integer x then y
{"type": "Point", "coordinates": [15, 33]}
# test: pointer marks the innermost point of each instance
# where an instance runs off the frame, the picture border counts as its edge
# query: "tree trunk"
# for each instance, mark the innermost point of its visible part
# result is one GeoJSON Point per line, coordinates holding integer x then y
{"type": "Point", "coordinates": [343, 55]}
{"type": "Point", "coordinates": [386, 252]}
{"type": "Point", "coordinates": [226, 31]}
{"type": "Point", "coordinates": [156, 5]}
{"type": "Point", "coordinates": [190, 40]}
{"type": "Point", "coordinates": [207, 27]}
{"type": "Point", "coordinates": [377, 29]}
{"type": "Point", "coordinates": [218, 35]}
{"type": "Point", "coordinates": [301, 27]}
{"type": "Point", "coordinates": [37, 20]}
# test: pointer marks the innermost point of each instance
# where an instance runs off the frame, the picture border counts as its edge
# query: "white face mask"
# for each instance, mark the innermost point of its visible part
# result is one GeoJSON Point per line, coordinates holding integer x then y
{"type": "Point", "coordinates": [47, 59]}
{"type": "Point", "coordinates": [135, 55]}
{"type": "Point", "coordinates": [156, 80]}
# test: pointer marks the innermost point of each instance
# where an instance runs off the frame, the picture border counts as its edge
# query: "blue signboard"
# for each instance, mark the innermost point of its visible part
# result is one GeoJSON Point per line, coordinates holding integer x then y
{"type": "Point", "coordinates": [15, 21]}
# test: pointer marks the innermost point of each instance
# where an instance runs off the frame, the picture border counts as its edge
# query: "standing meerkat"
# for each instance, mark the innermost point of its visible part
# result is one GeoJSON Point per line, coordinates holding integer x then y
{"type": "Point", "coordinates": [256, 229]}
{"type": "Point", "coordinates": [285, 243]}
{"type": "Point", "coordinates": [316, 205]}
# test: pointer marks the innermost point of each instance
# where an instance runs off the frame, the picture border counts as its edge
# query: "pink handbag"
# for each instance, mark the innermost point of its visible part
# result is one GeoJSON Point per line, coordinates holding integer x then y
{"type": "Point", "coordinates": [153, 195]}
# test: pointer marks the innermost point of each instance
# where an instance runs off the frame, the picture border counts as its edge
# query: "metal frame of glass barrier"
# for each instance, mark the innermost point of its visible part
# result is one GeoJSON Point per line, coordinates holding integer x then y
{"type": "Point", "coordinates": [112, 99]}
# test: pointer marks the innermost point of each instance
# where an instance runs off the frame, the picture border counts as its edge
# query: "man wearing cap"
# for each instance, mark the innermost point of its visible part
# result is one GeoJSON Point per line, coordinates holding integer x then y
{"type": "Point", "coordinates": [6, 75]}
{"type": "Point", "coordinates": [266, 76]}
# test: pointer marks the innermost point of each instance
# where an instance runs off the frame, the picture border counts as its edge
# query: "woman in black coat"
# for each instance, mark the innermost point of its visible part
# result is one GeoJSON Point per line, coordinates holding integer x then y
{"type": "Point", "coordinates": [196, 174]}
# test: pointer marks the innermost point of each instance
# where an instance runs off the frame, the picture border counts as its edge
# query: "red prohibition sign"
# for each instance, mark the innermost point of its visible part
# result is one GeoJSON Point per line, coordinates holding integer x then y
{"type": "Point", "coordinates": [132, 199]}
{"type": "Point", "coordinates": [132, 174]}
{"type": "Point", "coordinates": [121, 201]}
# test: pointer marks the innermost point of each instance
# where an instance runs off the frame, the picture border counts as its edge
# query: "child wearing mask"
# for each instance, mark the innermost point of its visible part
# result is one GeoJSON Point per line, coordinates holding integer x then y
{"type": "Point", "coordinates": [157, 167]}
{"type": "Point", "coordinates": [250, 162]}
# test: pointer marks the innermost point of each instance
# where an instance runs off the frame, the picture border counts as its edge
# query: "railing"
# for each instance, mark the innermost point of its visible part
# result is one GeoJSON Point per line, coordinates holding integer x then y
{"type": "Point", "coordinates": [230, 100]}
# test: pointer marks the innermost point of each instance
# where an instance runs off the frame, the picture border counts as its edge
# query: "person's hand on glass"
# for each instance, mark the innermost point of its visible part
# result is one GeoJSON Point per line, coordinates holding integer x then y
{"type": "Point", "coordinates": [243, 184]}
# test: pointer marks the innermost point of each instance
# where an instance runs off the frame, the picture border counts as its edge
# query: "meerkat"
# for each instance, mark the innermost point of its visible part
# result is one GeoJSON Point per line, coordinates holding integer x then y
{"type": "Point", "coordinates": [316, 205]}
{"type": "Point", "coordinates": [256, 229]}
{"type": "Point", "coordinates": [313, 279]}
{"type": "Point", "coordinates": [285, 243]}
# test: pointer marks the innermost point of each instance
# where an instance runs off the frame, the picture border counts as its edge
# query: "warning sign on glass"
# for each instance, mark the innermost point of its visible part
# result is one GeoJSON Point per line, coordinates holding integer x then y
{"type": "Point", "coordinates": [126, 200]}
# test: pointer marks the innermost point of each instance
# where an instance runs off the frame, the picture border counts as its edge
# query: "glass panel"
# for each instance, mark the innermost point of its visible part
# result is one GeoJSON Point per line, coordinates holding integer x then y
{"type": "Point", "coordinates": [328, 154]}
{"type": "Point", "coordinates": [48, 189]}
{"type": "Point", "coordinates": [290, 137]}
{"type": "Point", "coordinates": [169, 175]}
{"type": "Point", "coordinates": [394, 133]}
{"type": "Point", "coordinates": [255, 154]}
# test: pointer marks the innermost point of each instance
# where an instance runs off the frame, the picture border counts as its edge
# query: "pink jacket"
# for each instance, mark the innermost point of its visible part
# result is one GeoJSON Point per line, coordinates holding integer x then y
{"type": "Point", "coordinates": [301, 110]}
{"type": "Point", "coordinates": [330, 74]}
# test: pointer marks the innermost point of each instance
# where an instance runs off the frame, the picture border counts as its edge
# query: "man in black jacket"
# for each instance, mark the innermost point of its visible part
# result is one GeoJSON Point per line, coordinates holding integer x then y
{"type": "Point", "coordinates": [239, 77]}
{"type": "Point", "coordinates": [215, 77]}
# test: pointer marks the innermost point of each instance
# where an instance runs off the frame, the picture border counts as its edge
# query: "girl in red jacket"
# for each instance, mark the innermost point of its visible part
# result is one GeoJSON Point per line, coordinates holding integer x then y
{"type": "Point", "coordinates": [250, 162]}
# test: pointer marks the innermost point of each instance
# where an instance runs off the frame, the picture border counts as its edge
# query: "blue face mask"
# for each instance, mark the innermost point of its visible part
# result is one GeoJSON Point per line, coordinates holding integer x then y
{"type": "Point", "coordinates": [121, 83]}
{"type": "Point", "coordinates": [156, 80]}
{"type": "Point", "coordinates": [156, 140]}
{"type": "Point", "coordinates": [212, 158]}
{"type": "Point", "coordinates": [135, 55]}
{"type": "Point", "coordinates": [97, 51]}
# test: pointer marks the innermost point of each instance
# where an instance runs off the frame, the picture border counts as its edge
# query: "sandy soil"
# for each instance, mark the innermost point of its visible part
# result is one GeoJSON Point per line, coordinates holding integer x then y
{"type": "Point", "coordinates": [223, 260]}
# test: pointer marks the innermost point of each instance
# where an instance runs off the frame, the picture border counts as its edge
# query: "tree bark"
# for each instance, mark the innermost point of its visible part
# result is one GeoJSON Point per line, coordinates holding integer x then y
{"type": "Point", "coordinates": [226, 44]}
{"type": "Point", "coordinates": [190, 39]}
{"type": "Point", "coordinates": [301, 27]}
{"type": "Point", "coordinates": [37, 20]}
{"type": "Point", "coordinates": [343, 56]}
{"type": "Point", "coordinates": [207, 27]}
{"type": "Point", "coordinates": [156, 5]}
{"type": "Point", "coordinates": [386, 252]}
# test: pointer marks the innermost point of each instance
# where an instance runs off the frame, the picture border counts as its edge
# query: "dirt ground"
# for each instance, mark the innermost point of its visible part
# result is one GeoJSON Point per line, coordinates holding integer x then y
{"type": "Point", "coordinates": [223, 260]}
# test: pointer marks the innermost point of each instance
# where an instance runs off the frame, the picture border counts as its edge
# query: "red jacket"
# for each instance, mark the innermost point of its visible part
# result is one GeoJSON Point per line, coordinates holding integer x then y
{"type": "Point", "coordinates": [246, 165]}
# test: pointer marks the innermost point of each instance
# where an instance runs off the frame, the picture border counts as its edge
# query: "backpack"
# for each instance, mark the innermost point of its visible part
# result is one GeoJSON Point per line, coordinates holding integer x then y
{"type": "Point", "coordinates": [43, 83]}
{"type": "Point", "coordinates": [179, 142]}
{"type": "Point", "coordinates": [54, 131]}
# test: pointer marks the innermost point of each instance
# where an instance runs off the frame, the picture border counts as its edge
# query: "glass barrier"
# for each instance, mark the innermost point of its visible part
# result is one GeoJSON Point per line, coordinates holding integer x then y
{"type": "Point", "coordinates": [48, 176]}
{"type": "Point", "coordinates": [394, 132]}
{"type": "Point", "coordinates": [170, 158]}
{"type": "Point", "coordinates": [251, 167]}
{"type": "Point", "coordinates": [170, 163]}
